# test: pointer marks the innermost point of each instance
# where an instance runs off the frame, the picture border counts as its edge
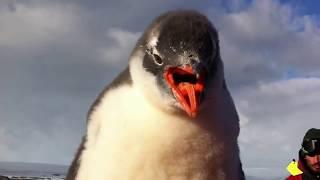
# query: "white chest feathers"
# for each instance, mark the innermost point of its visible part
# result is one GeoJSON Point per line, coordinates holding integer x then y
{"type": "Point", "coordinates": [129, 139]}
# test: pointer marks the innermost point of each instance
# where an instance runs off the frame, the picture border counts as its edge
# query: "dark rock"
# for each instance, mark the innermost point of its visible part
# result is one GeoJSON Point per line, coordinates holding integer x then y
{"type": "Point", "coordinates": [4, 178]}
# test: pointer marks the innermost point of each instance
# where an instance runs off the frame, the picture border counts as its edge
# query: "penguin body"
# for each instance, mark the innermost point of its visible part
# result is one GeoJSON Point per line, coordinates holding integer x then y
{"type": "Point", "coordinates": [168, 115]}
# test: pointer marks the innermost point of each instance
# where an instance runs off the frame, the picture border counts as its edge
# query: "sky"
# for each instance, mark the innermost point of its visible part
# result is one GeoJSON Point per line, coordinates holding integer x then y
{"type": "Point", "coordinates": [56, 56]}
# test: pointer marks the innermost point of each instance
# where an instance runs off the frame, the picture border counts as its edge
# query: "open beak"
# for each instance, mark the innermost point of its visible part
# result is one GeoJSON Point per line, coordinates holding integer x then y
{"type": "Point", "coordinates": [186, 86]}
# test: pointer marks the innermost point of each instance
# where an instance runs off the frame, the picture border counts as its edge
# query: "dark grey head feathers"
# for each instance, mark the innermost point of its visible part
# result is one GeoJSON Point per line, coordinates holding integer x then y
{"type": "Point", "coordinates": [180, 37]}
{"type": "Point", "coordinates": [181, 50]}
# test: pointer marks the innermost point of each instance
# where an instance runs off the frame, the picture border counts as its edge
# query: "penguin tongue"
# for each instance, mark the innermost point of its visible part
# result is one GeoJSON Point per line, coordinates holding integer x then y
{"type": "Point", "coordinates": [186, 87]}
{"type": "Point", "coordinates": [186, 95]}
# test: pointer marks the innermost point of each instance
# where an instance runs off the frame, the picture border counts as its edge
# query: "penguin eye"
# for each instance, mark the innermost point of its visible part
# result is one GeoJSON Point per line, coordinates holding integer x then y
{"type": "Point", "coordinates": [157, 59]}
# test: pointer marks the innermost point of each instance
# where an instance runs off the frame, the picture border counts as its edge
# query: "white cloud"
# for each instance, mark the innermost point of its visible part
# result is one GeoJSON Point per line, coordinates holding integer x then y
{"type": "Point", "coordinates": [278, 113]}
{"type": "Point", "coordinates": [4, 147]}
{"type": "Point", "coordinates": [121, 43]}
{"type": "Point", "coordinates": [262, 42]}
{"type": "Point", "coordinates": [29, 26]}
{"type": "Point", "coordinates": [244, 120]}
{"type": "Point", "coordinates": [294, 93]}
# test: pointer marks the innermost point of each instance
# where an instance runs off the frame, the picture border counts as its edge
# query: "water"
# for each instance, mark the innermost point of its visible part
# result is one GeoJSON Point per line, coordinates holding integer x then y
{"type": "Point", "coordinates": [32, 171]}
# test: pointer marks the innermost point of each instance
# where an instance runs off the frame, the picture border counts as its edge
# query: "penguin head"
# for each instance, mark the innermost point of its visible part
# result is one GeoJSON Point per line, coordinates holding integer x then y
{"type": "Point", "coordinates": [175, 59]}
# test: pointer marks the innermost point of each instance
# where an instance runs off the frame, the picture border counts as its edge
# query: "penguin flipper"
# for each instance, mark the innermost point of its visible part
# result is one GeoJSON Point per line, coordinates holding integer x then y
{"type": "Point", "coordinates": [123, 78]}
{"type": "Point", "coordinates": [242, 176]}
{"type": "Point", "coordinates": [73, 169]}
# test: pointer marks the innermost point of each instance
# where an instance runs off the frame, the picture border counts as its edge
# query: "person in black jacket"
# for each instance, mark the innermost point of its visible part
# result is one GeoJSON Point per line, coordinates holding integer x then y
{"type": "Point", "coordinates": [309, 156]}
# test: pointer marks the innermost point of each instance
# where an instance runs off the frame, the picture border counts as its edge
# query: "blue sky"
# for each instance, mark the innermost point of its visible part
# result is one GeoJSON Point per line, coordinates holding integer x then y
{"type": "Point", "coordinates": [305, 7]}
{"type": "Point", "coordinates": [56, 56]}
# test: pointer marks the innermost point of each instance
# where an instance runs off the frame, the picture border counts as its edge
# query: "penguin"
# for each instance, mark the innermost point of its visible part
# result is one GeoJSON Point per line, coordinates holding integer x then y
{"type": "Point", "coordinates": [169, 114]}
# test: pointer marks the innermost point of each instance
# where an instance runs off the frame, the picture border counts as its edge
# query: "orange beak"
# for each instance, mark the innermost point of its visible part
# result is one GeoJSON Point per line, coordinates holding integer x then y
{"type": "Point", "coordinates": [187, 88]}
